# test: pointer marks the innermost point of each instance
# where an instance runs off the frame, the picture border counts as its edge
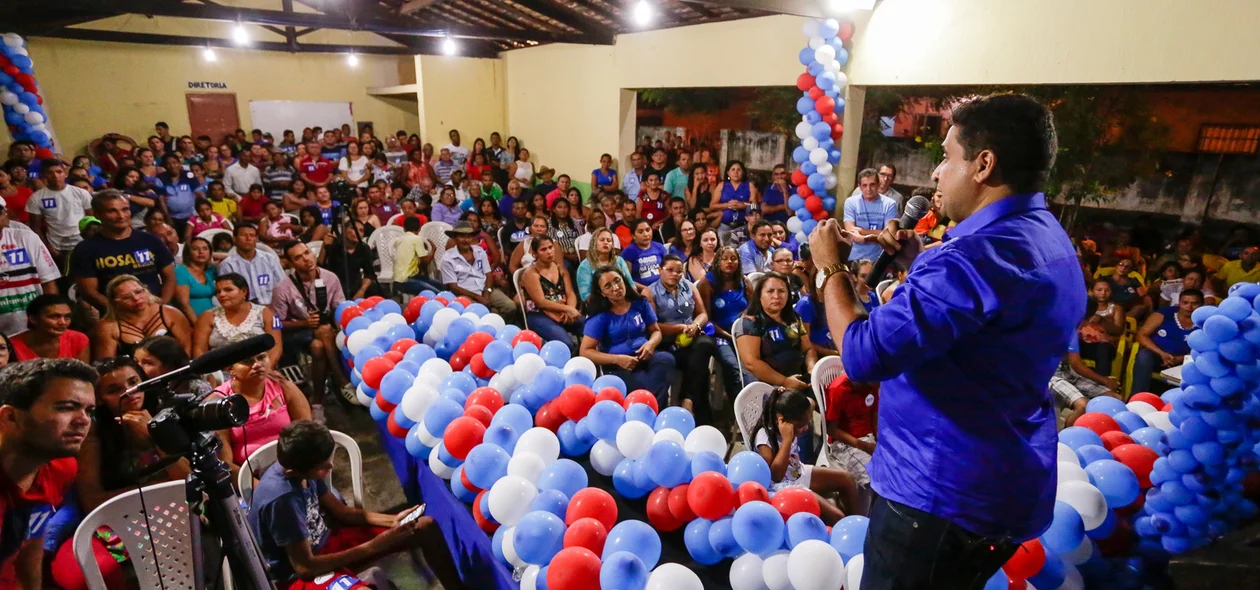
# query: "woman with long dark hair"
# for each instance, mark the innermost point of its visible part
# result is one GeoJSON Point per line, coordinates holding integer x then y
{"type": "Point", "coordinates": [684, 241]}
{"type": "Point", "coordinates": [140, 195]}
{"type": "Point", "coordinates": [550, 300]}
{"type": "Point", "coordinates": [725, 293]}
{"type": "Point", "coordinates": [735, 195]}
{"type": "Point", "coordinates": [235, 318]}
{"type": "Point", "coordinates": [703, 254]}
{"type": "Point", "coordinates": [564, 230]}
{"type": "Point", "coordinates": [682, 317]}
{"type": "Point", "coordinates": [194, 280]}
{"type": "Point", "coordinates": [774, 344]}
{"type": "Point", "coordinates": [622, 335]}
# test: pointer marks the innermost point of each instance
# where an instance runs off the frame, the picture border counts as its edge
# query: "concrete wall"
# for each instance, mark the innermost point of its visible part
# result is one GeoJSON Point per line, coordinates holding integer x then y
{"type": "Point", "coordinates": [461, 93]}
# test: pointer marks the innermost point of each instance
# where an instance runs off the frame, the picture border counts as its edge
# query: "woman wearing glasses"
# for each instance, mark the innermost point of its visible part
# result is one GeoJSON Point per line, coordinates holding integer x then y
{"type": "Point", "coordinates": [622, 335]}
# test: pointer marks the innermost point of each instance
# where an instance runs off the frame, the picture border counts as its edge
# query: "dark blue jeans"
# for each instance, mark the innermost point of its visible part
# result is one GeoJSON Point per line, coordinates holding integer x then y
{"type": "Point", "coordinates": [418, 283]}
{"type": "Point", "coordinates": [550, 329]}
{"type": "Point", "coordinates": [908, 549]}
{"type": "Point", "coordinates": [654, 376]}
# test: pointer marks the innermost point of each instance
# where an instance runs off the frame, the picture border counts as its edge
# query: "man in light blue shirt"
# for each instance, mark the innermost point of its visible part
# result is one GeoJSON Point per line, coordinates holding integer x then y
{"type": "Point", "coordinates": [632, 181]}
{"type": "Point", "coordinates": [262, 270]}
{"type": "Point", "coordinates": [676, 180]}
{"type": "Point", "coordinates": [754, 255]}
{"type": "Point", "coordinates": [866, 215]}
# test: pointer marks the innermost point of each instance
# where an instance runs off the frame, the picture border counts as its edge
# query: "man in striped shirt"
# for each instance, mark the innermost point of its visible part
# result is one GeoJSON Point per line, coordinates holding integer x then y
{"type": "Point", "coordinates": [26, 271]}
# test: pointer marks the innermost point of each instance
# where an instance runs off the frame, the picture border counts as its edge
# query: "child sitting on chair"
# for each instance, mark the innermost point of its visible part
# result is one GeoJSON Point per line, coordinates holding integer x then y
{"type": "Point", "coordinates": [311, 540]}
{"type": "Point", "coordinates": [788, 413]}
{"type": "Point", "coordinates": [852, 410]}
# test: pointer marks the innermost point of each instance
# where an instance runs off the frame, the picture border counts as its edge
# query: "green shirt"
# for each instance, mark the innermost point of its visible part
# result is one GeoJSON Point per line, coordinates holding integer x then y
{"type": "Point", "coordinates": [495, 192]}
{"type": "Point", "coordinates": [676, 183]}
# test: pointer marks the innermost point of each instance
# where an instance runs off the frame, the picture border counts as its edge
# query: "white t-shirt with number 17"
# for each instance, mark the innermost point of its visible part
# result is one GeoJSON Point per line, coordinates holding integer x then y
{"type": "Point", "coordinates": [62, 211]}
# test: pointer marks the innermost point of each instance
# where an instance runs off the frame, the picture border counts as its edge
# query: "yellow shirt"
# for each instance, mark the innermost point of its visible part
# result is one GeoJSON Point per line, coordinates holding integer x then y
{"type": "Point", "coordinates": [226, 207]}
{"type": "Point", "coordinates": [410, 248]}
{"type": "Point", "coordinates": [1233, 272]}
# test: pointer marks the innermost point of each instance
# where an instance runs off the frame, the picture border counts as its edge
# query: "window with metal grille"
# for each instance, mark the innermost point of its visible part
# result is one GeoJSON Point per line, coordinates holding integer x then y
{"type": "Point", "coordinates": [1229, 139]}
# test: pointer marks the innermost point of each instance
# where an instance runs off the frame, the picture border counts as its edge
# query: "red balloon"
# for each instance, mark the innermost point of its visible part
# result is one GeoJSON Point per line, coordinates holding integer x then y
{"type": "Point", "coordinates": [479, 367]}
{"type": "Point", "coordinates": [43, 153]}
{"type": "Point", "coordinates": [659, 514]}
{"type": "Point", "coordinates": [374, 370]}
{"type": "Point", "coordinates": [464, 301]}
{"type": "Point", "coordinates": [1138, 458]}
{"type": "Point", "coordinates": [370, 302]}
{"type": "Point", "coordinates": [814, 204]}
{"type": "Point", "coordinates": [1149, 398]}
{"type": "Point", "coordinates": [806, 81]}
{"type": "Point", "coordinates": [789, 501]}
{"type": "Point", "coordinates": [549, 417]}
{"type": "Point", "coordinates": [611, 393]}
{"type": "Point", "coordinates": [403, 345]}
{"type": "Point", "coordinates": [527, 336]}
{"type": "Point", "coordinates": [394, 357]}
{"type": "Point", "coordinates": [12, 70]}
{"type": "Point", "coordinates": [816, 93]}
{"type": "Point", "coordinates": [825, 105]}
{"type": "Point", "coordinates": [477, 341]}
{"type": "Point", "coordinates": [384, 404]}
{"type": "Point", "coordinates": [488, 397]}
{"type": "Point", "coordinates": [349, 314]}
{"type": "Point", "coordinates": [799, 178]}
{"type": "Point", "coordinates": [678, 505]}
{"type": "Point", "coordinates": [592, 503]}
{"type": "Point", "coordinates": [488, 526]}
{"type": "Point", "coordinates": [417, 302]}
{"type": "Point", "coordinates": [821, 215]}
{"type": "Point", "coordinates": [574, 568]}
{"type": "Point", "coordinates": [1027, 560]}
{"type": "Point", "coordinates": [711, 495]}
{"type": "Point", "coordinates": [481, 413]}
{"type": "Point", "coordinates": [837, 131]}
{"type": "Point", "coordinates": [442, 300]}
{"type": "Point", "coordinates": [751, 491]}
{"type": "Point", "coordinates": [462, 435]}
{"type": "Point", "coordinates": [575, 401]}
{"type": "Point", "coordinates": [1114, 439]}
{"type": "Point", "coordinates": [463, 478]}
{"type": "Point", "coordinates": [804, 191]}
{"type": "Point", "coordinates": [846, 31]}
{"type": "Point", "coordinates": [459, 360]}
{"type": "Point", "coordinates": [1098, 422]}
{"type": "Point", "coordinates": [642, 396]}
{"type": "Point", "coordinates": [394, 428]}
{"type": "Point", "coordinates": [831, 119]}
{"type": "Point", "coordinates": [588, 533]}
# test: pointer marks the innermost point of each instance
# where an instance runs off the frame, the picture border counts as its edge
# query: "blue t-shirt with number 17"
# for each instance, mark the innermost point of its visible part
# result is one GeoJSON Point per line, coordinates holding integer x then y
{"type": "Point", "coordinates": [624, 333]}
{"type": "Point", "coordinates": [645, 263]}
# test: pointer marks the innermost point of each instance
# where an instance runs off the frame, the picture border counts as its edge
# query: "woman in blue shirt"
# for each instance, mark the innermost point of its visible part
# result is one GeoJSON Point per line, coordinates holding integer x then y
{"type": "Point", "coordinates": [621, 335]}
{"type": "Point", "coordinates": [1162, 338]}
{"type": "Point", "coordinates": [604, 178]}
{"type": "Point", "coordinates": [725, 294]}
{"type": "Point", "coordinates": [644, 255]}
{"type": "Point", "coordinates": [682, 318]}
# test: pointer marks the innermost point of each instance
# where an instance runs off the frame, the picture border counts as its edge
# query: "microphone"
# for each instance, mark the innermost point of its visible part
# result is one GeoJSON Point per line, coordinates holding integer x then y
{"type": "Point", "coordinates": [212, 361]}
{"type": "Point", "coordinates": [916, 208]}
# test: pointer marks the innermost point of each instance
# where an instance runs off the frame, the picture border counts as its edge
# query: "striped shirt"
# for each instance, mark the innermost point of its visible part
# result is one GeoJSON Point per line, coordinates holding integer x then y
{"type": "Point", "coordinates": [25, 266]}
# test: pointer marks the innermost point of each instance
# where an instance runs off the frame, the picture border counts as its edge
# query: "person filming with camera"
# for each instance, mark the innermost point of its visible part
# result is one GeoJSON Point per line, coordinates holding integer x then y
{"type": "Point", "coordinates": [304, 303]}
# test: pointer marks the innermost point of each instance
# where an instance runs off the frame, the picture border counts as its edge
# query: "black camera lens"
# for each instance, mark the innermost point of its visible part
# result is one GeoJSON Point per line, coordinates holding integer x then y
{"type": "Point", "coordinates": [217, 414]}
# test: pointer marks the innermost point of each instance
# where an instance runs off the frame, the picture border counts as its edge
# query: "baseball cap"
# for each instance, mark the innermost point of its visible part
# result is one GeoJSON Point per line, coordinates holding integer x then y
{"type": "Point", "coordinates": [86, 221]}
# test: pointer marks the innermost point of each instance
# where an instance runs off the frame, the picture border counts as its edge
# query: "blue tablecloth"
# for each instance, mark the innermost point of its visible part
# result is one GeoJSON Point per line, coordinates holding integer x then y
{"type": "Point", "coordinates": [468, 544]}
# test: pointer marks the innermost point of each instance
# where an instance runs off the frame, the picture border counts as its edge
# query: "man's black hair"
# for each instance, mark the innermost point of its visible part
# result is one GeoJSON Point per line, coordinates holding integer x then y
{"type": "Point", "coordinates": [303, 445]}
{"type": "Point", "coordinates": [22, 383]}
{"type": "Point", "coordinates": [236, 231]}
{"type": "Point", "coordinates": [285, 247]}
{"type": "Point", "coordinates": [1018, 130]}
{"type": "Point", "coordinates": [760, 224]}
{"type": "Point", "coordinates": [37, 305]}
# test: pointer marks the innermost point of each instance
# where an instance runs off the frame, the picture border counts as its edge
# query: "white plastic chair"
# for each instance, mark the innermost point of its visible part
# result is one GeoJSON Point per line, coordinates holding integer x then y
{"type": "Point", "coordinates": [383, 240]}
{"type": "Point", "coordinates": [884, 284]}
{"type": "Point", "coordinates": [755, 277]}
{"type": "Point", "coordinates": [209, 234]}
{"type": "Point", "coordinates": [434, 232]}
{"type": "Point", "coordinates": [737, 330]}
{"type": "Point", "coordinates": [165, 530]}
{"type": "Point", "coordinates": [262, 458]}
{"type": "Point", "coordinates": [520, 295]}
{"type": "Point", "coordinates": [826, 370]}
{"type": "Point", "coordinates": [392, 218]}
{"type": "Point", "coordinates": [315, 247]}
{"type": "Point", "coordinates": [748, 406]}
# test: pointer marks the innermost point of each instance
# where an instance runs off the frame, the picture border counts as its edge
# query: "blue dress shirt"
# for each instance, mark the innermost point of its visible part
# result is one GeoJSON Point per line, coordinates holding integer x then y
{"type": "Point", "coordinates": [965, 349]}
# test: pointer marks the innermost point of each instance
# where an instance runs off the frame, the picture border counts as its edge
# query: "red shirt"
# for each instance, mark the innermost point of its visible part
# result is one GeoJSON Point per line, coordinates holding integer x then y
{"type": "Point", "coordinates": [15, 204]}
{"type": "Point", "coordinates": [25, 515]}
{"type": "Point", "coordinates": [399, 221]}
{"type": "Point", "coordinates": [850, 406]}
{"type": "Point", "coordinates": [252, 207]}
{"type": "Point", "coordinates": [72, 343]}
{"type": "Point", "coordinates": [317, 169]}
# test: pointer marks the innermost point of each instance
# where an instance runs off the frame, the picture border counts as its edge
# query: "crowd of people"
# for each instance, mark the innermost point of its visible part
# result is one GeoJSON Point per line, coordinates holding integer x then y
{"type": "Point", "coordinates": [142, 256]}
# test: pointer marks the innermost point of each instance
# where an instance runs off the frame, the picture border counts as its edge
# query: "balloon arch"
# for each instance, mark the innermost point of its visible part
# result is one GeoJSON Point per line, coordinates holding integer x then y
{"type": "Point", "coordinates": [20, 99]}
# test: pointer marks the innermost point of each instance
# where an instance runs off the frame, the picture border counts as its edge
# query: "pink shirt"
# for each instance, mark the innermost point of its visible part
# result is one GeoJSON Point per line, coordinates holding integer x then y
{"type": "Point", "coordinates": [216, 222]}
{"type": "Point", "coordinates": [266, 419]}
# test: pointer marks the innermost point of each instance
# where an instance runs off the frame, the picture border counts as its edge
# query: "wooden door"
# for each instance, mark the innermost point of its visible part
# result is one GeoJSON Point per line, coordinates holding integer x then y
{"type": "Point", "coordinates": [213, 114]}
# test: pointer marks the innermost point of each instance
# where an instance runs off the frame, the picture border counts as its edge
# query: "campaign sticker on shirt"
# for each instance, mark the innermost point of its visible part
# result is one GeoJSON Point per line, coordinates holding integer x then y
{"type": "Point", "coordinates": [264, 280]}
{"type": "Point", "coordinates": [343, 583]}
{"type": "Point", "coordinates": [719, 303]}
{"type": "Point", "coordinates": [17, 256]}
{"type": "Point", "coordinates": [1162, 333]}
{"type": "Point", "coordinates": [40, 515]}
{"type": "Point", "coordinates": [275, 323]}
{"type": "Point", "coordinates": [870, 399]}
{"type": "Point", "coordinates": [638, 319]}
{"type": "Point", "coordinates": [144, 256]}
{"type": "Point", "coordinates": [775, 334]}
{"type": "Point", "coordinates": [49, 203]}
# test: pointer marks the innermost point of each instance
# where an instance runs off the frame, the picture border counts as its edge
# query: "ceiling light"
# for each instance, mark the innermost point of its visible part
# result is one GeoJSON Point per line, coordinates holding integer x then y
{"type": "Point", "coordinates": [208, 54]}
{"type": "Point", "coordinates": [448, 46]}
{"type": "Point", "coordinates": [240, 35]}
{"type": "Point", "coordinates": [838, 7]}
{"type": "Point", "coordinates": [642, 13]}
{"type": "Point", "coordinates": [352, 60]}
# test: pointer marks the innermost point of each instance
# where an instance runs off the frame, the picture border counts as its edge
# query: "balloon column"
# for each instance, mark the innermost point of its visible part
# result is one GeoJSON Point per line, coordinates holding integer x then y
{"type": "Point", "coordinates": [821, 107]}
{"type": "Point", "coordinates": [20, 100]}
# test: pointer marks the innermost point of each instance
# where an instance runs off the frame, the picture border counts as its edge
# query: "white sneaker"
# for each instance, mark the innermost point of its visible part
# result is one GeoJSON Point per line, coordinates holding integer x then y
{"type": "Point", "coordinates": [348, 392]}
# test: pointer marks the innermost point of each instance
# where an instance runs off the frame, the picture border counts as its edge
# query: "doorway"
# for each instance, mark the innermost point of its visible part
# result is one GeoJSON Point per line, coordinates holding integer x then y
{"type": "Point", "coordinates": [213, 114]}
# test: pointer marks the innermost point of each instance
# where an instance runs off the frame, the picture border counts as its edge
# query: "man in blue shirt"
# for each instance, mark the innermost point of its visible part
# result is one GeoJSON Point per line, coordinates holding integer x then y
{"type": "Point", "coordinates": [866, 215]}
{"type": "Point", "coordinates": [754, 255]}
{"type": "Point", "coordinates": [965, 467]}
{"type": "Point", "coordinates": [182, 190]}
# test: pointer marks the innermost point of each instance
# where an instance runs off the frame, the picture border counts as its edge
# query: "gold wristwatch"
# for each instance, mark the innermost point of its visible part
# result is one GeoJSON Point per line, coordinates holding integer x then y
{"type": "Point", "coordinates": [820, 279]}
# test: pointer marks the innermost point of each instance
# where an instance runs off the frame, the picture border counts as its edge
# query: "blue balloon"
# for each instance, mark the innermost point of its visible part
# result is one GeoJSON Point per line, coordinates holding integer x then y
{"type": "Point", "coordinates": [667, 463]}
{"type": "Point", "coordinates": [428, 310]}
{"type": "Point", "coordinates": [368, 353]}
{"type": "Point", "coordinates": [1107, 405]}
{"type": "Point", "coordinates": [803, 214]}
{"type": "Point", "coordinates": [815, 68]}
{"type": "Point", "coordinates": [1149, 437]}
{"type": "Point", "coordinates": [1238, 350]}
{"type": "Point", "coordinates": [998, 581]}
{"type": "Point", "coordinates": [461, 381]}
{"type": "Point", "coordinates": [635, 537]}
{"type": "Point", "coordinates": [1210, 453]}
{"type": "Point", "coordinates": [377, 413]}
{"type": "Point", "coordinates": [817, 182]}
{"type": "Point", "coordinates": [829, 203]}
{"type": "Point", "coordinates": [549, 382]}
{"type": "Point", "coordinates": [356, 324]}
{"type": "Point", "coordinates": [1200, 341]}
{"type": "Point", "coordinates": [496, 542]}
{"type": "Point", "coordinates": [415, 448]}
{"type": "Point", "coordinates": [461, 493]}
{"type": "Point", "coordinates": [455, 305]}
{"type": "Point", "coordinates": [402, 420]}
{"type": "Point", "coordinates": [486, 464]}
{"type": "Point", "coordinates": [748, 466]}
{"type": "Point", "coordinates": [677, 418]}
{"type": "Point", "coordinates": [565, 476]}
{"type": "Point", "coordinates": [808, 226]}
{"type": "Point", "coordinates": [583, 378]}
{"type": "Point", "coordinates": [821, 130]}
{"type": "Point", "coordinates": [539, 537]}
{"type": "Point", "coordinates": [485, 508]}
{"type": "Point", "coordinates": [447, 295]}
{"type": "Point", "coordinates": [356, 378]}
{"type": "Point", "coordinates": [440, 414]}
{"type": "Point", "coordinates": [446, 457]}
{"type": "Point", "coordinates": [611, 381]}
{"type": "Point", "coordinates": [1090, 453]}
{"type": "Point", "coordinates": [553, 501]}
{"type": "Point", "coordinates": [849, 535]}
{"type": "Point", "coordinates": [419, 353]}
{"type": "Point", "coordinates": [459, 331]}
{"type": "Point", "coordinates": [842, 56]}
{"type": "Point", "coordinates": [1127, 420]}
{"type": "Point", "coordinates": [795, 202]}
{"type": "Point", "coordinates": [388, 306]}
{"type": "Point", "coordinates": [696, 538]}
{"type": "Point", "coordinates": [707, 461]}
{"type": "Point", "coordinates": [22, 62]}
{"type": "Point", "coordinates": [1077, 436]}
{"type": "Point", "coordinates": [497, 355]}
{"type": "Point", "coordinates": [808, 167]}
{"type": "Point", "coordinates": [804, 105]}
{"type": "Point", "coordinates": [722, 537]}
{"type": "Point", "coordinates": [1066, 529]}
{"type": "Point", "coordinates": [478, 309]}
{"type": "Point", "coordinates": [804, 526]}
{"type": "Point", "coordinates": [508, 333]}
{"type": "Point", "coordinates": [806, 56]}
{"type": "Point", "coordinates": [643, 476]}
{"type": "Point", "coordinates": [757, 527]}
{"type": "Point", "coordinates": [623, 480]}
{"type": "Point", "coordinates": [395, 383]}
{"type": "Point", "coordinates": [800, 155]}
{"type": "Point", "coordinates": [502, 435]}
{"type": "Point", "coordinates": [642, 413]}
{"type": "Point", "coordinates": [515, 416]}
{"type": "Point", "coordinates": [1220, 328]}
{"type": "Point", "coordinates": [826, 81]}
{"type": "Point", "coordinates": [555, 354]}
{"type": "Point", "coordinates": [605, 418]}
{"type": "Point", "coordinates": [1051, 575]}
{"type": "Point", "coordinates": [1235, 308]}
{"type": "Point", "coordinates": [623, 570]}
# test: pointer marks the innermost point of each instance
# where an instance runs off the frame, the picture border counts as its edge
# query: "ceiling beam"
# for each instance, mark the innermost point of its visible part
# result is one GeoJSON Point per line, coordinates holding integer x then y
{"type": "Point", "coordinates": [416, 5]}
{"type": "Point", "coordinates": [807, 8]}
{"type": "Point", "coordinates": [431, 48]}
{"type": "Point", "coordinates": [564, 16]}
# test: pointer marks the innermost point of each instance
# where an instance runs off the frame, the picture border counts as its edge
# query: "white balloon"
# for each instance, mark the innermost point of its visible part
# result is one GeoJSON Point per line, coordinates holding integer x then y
{"type": "Point", "coordinates": [8, 98]}
{"type": "Point", "coordinates": [40, 127]}
{"type": "Point", "coordinates": [340, 341]}
{"type": "Point", "coordinates": [842, 79]}
{"type": "Point", "coordinates": [831, 182]}
{"type": "Point", "coordinates": [815, 42]}
{"type": "Point", "coordinates": [801, 238]}
{"type": "Point", "coordinates": [853, 572]}
{"type": "Point", "coordinates": [529, 579]}
{"type": "Point", "coordinates": [527, 466]}
{"type": "Point", "coordinates": [580, 363]}
{"type": "Point", "coordinates": [357, 341]}
{"type": "Point", "coordinates": [672, 576]}
{"type": "Point", "coordinates": [541, 442]}
{"type": "Point", "coordinates": [1067, 454]}
{"type": "Point", "coordinates": [803, 129]}
{"type": "Point", "coordinates": [810, 28]}
{"type": "Point", "coordinates": [21, 108]}
{"type": "Point", "coordinates": [1071, 471]}
{"type": "Point", "coordinates": [834, 67]}
{"type": "Point", "coordinates": [391, 319]}
{"type": "Point", "coordinates": [810, 143]}
{"type": "Point", "coordinates": [746, 573]}
{"type": "Point", "coordinates": [430, 338]}
{"type": "Point", "coordinates": [669, 434]}
{"type": "Point", "coordinates": [511, 498]}
{"type": "Point", "coordinates": [815, 565]}
{"type": "Point", "coordinates": [507, 378]}
{"type": "Point", "coordinates": [360, 397]}
{"type": "Point", "coordinates": [15, 40]}
{"type": "Point", "coordinates": [416, 401]}
{"type": "Point", "coordinates": [493, 320]}
{"type": "Point", "coordinates": [825, 169]}
{"type": "Point", "coordinates": [425, 437]}
{"type": "Point", "coordinates": [442, 320]}
{"type": "Point", "coordinates": [436, 367]}
{"type": "Point", "coordinates": [774, 571]}
{"type": "Point", "coordinates": [794, 224]}
{"type": "Point", "coordinates": [1072, 579]}
{"type": "Point", "coordinates": [377, 329]}
{"type": "Point", "coordinates": [1159, 420]}
{"type": "Point", "coordinates": [825, 55]}
{"type": "Point", "coordinates": [705, 438]}
{"type": "Point", "coordinates": [441, 469]}
{"type": "Point", "coordinates": [604, 458]}
{"type": "Point", "coordinates": [472, 317]}
{"type": "Point", "coordinates": [528, 366]}
{"type": "Point", "coordinates": [1086, 499]}
{"type": "Point", "coordinates": [818, 156]}
{"type": "Point", "coordinates": [1140, 408]}
{"type": "Point", "coordinates": [634, 439]}
{"type": "Point", "coordinates": [509, 548]}
{"type": "Point", "coordinates": [20, 51]}
{"type": "Point", "coordinates": [1081, 554]}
